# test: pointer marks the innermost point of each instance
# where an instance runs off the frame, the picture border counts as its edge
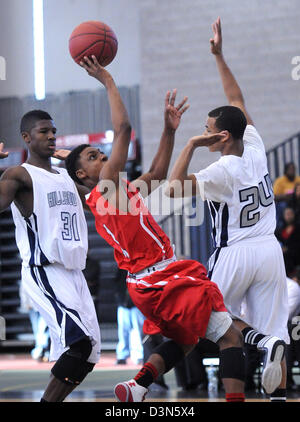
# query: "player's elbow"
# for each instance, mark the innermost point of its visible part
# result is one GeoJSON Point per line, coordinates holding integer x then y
{"type": "Point", "coordinates": [174, 189]}
{"type": "Point", "coordinates": [123, 131]}
{"type": "Point", "coordinates": [158, 172]}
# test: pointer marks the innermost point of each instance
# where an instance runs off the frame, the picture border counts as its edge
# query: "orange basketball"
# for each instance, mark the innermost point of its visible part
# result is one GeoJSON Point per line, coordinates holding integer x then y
{"type": "Point", "coordinates": [93, 38]}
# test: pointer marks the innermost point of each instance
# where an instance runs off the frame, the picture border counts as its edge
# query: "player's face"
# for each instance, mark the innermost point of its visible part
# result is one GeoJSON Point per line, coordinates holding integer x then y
{"type": "Point", "coordinates": [42, 138]}
{"type": "Point", "coordinates": [210, 129]}
{"type": "Point", "coordinates": [92, 161]}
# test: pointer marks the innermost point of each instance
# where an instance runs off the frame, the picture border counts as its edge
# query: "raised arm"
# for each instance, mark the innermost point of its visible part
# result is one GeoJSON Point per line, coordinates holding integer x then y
{"type": "Point", "coordinates": [180, 182]}
{"type": "Point", "coordinates": [160, 164]}
{"type": "Point", "coordinates": [231, 88]}
{"type": "Point", "coordinates": [120, 121]}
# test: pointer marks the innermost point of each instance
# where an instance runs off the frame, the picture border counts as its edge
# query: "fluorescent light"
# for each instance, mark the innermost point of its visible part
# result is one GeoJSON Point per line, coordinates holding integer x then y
{"type": "Point", "coordinates": [38, 41]}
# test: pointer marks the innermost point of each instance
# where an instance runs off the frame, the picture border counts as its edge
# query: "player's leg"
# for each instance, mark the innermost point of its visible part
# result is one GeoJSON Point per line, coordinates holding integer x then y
{"type": "Point", "coordinates": [222, 331]}
{"type": "Point", "coordinates": [274, 360]}
{"type": "Point", "coordinates": [235, 271]}
{"type": "Point", "coordinates": [63, 299]}
{"type": "Point", "coordinates": [69, 371]}
{"type": "Point", "coordinates": [163, 358]}
{"type": "Point", "coordinates": [267, 311]}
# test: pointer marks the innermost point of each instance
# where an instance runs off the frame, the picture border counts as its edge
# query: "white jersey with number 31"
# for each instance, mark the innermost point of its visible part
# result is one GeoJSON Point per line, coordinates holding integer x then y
{"type": "Point", "coordinates": [56, 232]}
{"type": "Point", "coordinates": [239, 193]}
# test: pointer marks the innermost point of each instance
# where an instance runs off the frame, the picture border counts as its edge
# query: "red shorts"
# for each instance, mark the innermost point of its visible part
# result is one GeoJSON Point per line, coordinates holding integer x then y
{"type": "Point", "coordinates": [177, 301]}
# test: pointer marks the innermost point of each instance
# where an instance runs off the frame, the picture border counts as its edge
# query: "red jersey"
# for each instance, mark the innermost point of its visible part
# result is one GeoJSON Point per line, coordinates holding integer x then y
{"type": "Point", "coordinates": [137, 239]}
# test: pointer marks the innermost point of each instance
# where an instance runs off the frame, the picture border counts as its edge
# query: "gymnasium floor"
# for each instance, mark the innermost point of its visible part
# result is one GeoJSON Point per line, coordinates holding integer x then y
{"type": "Point", "coordinates": [23, 379]}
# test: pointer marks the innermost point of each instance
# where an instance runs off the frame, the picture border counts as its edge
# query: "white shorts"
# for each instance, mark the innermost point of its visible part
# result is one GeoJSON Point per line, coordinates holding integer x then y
{"type": "Point", "coordinates": [218, 324]}
{"type": "Point", "coordinates": [252, 271]}
{"type": "Point", "coordinates": [63, 299]}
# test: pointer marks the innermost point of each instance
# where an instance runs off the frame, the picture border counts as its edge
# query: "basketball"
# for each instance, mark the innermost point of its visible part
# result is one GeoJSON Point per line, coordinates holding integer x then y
{"type": "Point", "coordinates": [93, 38]}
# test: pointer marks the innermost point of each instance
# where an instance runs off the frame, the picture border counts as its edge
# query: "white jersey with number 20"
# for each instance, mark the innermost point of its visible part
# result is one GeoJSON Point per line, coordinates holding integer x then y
{"type": "Point", "coordinates": [239, 193]}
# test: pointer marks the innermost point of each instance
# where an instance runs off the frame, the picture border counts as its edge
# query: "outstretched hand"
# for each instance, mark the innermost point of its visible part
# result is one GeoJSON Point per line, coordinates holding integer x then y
{"type": "Point", "coordinates": [94, 69]}
{"type": "Point", "coordinates": [216, 42]}
{"type": "Point", "coordinates": [3, 154]}
{"type": "Point", "coordinates": [207, 140]}
{"type": "Point", "coordinates": [173, 113]}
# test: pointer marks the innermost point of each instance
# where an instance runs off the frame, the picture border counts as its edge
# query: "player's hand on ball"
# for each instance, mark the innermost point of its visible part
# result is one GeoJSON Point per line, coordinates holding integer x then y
{"type": "Point", "coordinates": [216, 42]}
{"type": "Point", "coordinates": [173, 113]}
{"type": "Point", "coordinates": [94, 69]}
{"type": "Point", "coordinates": [62, 154]}
{"type": "Point", "coordinates": [3, 154]}
{"type": "Point", "coordinates": [207, 140]}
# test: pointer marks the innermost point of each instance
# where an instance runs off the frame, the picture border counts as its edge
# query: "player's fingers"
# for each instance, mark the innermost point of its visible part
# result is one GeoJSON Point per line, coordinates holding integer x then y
{"type": "Point", "coordinates": [84, 65]}
{"type": "Point", "coordinates": [181, 104]}
{"type": "Point", "coordinates": [95, 62]}
{"type": "Point", "coordinates": [218, 136]}
{"type": "Point", "coordinates": [219, 27]}
{"type": "Point", "coordinates": [167, 99]}
{"type": "Point", "coordinates": [88, 62]}
{"type": "Point", "coordinates": [184, 109]}
{"type": "Point", "coordinates": [173, 97]}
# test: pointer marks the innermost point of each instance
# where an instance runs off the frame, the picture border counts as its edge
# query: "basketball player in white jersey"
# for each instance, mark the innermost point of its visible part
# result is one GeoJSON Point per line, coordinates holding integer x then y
{"type": "Point", "coordinates": [51, 234]}
{"type": "Point", "coordinates": [247, 262]}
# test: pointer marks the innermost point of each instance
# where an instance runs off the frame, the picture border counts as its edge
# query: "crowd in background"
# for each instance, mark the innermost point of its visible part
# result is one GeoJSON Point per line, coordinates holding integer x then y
{"type": "Point", "coordinates": [287, 199]}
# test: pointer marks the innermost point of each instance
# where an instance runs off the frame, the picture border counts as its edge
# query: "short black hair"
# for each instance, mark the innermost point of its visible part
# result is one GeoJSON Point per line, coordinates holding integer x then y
{"type": "Point", "coordinates": [29, 119]}
{"type": "Point", "coordinates": [72, 162]}
{"type": "Point", "coordinates": [230, 118]}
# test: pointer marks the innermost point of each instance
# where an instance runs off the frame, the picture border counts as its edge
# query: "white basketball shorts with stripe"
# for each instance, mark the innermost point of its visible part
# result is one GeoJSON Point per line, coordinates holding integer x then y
{"type": "Point", "coordinates": [63, 299]}
{"type": "Point", "coordinates": [251, 272]}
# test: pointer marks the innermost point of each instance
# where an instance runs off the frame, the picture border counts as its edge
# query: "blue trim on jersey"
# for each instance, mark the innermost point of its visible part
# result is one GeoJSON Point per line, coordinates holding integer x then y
{"type": "Point", "coordinates": [216, 253]}
{"type": "Point", "coordinates": [32, 237]}
{"type": "Point", "coordinates": [224, 232]}
{"type": "Point", "coordinates": [43, 258]}
{"type": "Point", "coordinates": [214, 209]}
{"type": "Point", "coordinates": [52, 300]}
{"type": "Point", "coordinates": [214, 231]}
{"type": "Point", "coordinates": [73, 332]}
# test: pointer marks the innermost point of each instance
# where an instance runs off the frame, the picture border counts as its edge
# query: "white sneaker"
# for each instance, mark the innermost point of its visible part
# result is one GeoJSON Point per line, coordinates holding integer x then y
{"type": "Point", "coordinates": [274, 349]}
{"type": "Point", "coordinates": [130, 391]}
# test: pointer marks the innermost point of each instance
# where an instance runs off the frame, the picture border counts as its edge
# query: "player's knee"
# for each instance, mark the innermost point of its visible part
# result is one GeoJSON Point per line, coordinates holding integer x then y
{"type": "Point", "coordinates": [81, 349]}
{"type": "Point", "coordinates": [72, 366]}
{"type": "Point", "coordinates": [232, 338]}
{"type": "Point", "coordinates": [232, 363]}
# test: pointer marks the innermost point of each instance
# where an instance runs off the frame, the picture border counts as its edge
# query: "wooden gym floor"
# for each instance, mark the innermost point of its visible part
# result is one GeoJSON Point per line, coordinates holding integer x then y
{"type": "Point", "coordinates": [23, 379]}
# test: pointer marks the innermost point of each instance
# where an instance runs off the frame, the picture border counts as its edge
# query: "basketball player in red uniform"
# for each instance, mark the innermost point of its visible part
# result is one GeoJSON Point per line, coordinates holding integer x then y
{"type": "Point", "coordinates": [174, 295]}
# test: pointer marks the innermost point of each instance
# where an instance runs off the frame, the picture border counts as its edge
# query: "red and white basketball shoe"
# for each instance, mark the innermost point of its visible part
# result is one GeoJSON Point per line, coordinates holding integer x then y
{"type": "Point", "coordinates": [130, 391]}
